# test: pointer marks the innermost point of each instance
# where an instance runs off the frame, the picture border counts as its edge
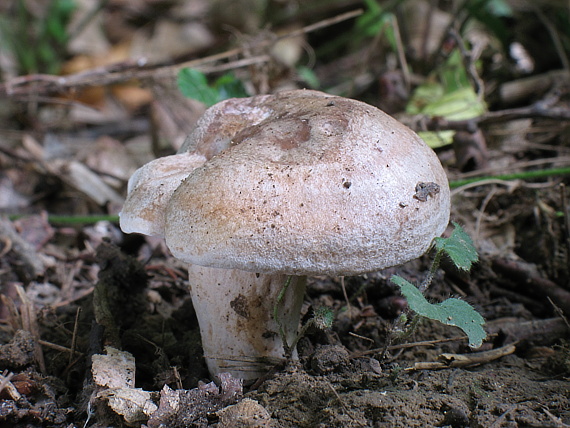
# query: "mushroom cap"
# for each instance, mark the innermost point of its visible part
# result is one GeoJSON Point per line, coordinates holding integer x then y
{"type": "Point", "coordinates": [302, 183]}
{"type": "Point", "coordinates": [150, 189]}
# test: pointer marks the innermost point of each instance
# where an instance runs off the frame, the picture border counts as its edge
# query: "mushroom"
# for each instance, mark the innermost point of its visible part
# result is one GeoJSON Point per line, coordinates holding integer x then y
{"type": "Point", "coordinates": [269, 189]}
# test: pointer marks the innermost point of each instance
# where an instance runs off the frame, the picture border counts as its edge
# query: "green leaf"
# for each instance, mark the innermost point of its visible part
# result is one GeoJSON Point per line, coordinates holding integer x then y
{"type": "Point", "coordinates": [323, 318]}
{"type": "Point", "coordinates": [435, 139]}
{"type": "Point", "coordinates": [457, 105]}
{"type": "Point", "coordinates": [370, 21]}
{"type": "Point", "coordinates": [453, 74]}
{"type": "Point", "coordinates": [308, 76]}
{"type": "Point", "coordinates": [500, 8]}
{"type": "Point", "coordinates": [193, 84]}
{"type": "Point", "coordinates": [447, 93]}
{"type": "Point", "coordinates": [229, 86]}
{"type": "Point", "coordinates": [459, 247]}
{"type": "Point", "coordinates": [452, 311]}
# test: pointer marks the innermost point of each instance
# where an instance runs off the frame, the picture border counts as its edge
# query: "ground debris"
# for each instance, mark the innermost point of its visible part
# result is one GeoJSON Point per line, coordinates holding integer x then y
{"type": "Point", "coordinates": [24, 253]}
{"type": "Point", "coordinates": [247, 413]}
{"type": "Point", "coordinates": [114, 375]}
{"type": "Point", "coordinates": [30, 399]}
{"type": "Point", "coordinates": [195, 407]}
{"type": "Point", "coordinates": [19, 352]}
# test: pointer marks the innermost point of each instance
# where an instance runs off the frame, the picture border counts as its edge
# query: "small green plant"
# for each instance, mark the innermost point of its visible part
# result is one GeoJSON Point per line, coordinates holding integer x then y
{"type": "Point", "coordinates": [459, 248]}
{"type": "Point", "coordinates": [308, 76]}
{"type": "Point", "coordinates": [322, 319]}
{"type": "Point", "coordinates": [447, 93]}
{"type": "Point", "coordinates": [194, 84]}
{"type": "Point", "coordinates": [377, 19]}
{"type": "Point", "coordinates": [37, 39]}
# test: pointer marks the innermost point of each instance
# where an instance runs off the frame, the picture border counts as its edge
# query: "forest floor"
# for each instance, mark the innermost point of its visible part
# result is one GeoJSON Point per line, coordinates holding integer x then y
{"type": "Point", "coordinates": [71, 282]}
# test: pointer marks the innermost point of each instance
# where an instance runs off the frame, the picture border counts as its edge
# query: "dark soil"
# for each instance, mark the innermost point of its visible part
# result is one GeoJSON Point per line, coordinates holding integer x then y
{"type": "Point", "coordinates": [96, 327]}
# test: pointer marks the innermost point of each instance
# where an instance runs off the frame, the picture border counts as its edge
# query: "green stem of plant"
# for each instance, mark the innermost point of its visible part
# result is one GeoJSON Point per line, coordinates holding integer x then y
{"type": "Point", "coordinates": [280, 297]}
{"type": "Point", "coordinates": [433, 269]}
{"type": "Point", "coordinates": [303, 331]}
{"type": "Point", "coordinates": [526, 175]}
{"type": "Point", "coordinates": [72, 219]}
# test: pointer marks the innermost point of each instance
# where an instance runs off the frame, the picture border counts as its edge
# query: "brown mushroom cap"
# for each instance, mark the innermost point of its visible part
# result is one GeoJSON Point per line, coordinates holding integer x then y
{"type": "Point", "coordinates": [310, 184]}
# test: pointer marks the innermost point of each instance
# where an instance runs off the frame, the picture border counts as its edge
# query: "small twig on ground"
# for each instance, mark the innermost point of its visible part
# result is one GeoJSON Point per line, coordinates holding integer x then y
{"type": "Point", "coordinates": [470, 57]}
{"type": "Point", "coordinates": [448, 360]}
{"type": "Point", "coordinates": [346, 299]}
{"type": "Point", "coordinates": [558, 45]}
{"type": "Point", "coordinates": [23, 250]}
{"type": "Point", "coordinates": [502, 418]}
{"type": "Point", "coordinates": [74, 336]}
{"type": "Point", "coordinates": [42, 84]}
{"type": "Point", "coordinates": [559, 312]}
{"type": "Point", "coordinates": [566, 214]}
{"type": "Point", "coordinates": [30, 323]}
{"type": "Point", "coordinates": [344, 406]}
{"type": "Point", "coordinates": [539, 332]}
{"type": "Point", "coordinates": [6, 384]}
{"type": "Point", "coordinates": [481, 212]}
{"type": "Point", "coordinates": [57, 347]}
{"type": "Point", "coordinates": [531, 283]}
{"type": "Point", "coordinates": [439, 123]}
{"type": "Point", "coordinates": [558, 423]}
{"type": "Point", "coordinates": [401, 53]}
{"type": "Point", "coordinates": [409, 345]}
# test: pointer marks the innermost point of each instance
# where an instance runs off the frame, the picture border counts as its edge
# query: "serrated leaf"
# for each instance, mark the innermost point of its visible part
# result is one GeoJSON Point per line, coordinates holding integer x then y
{"type": "Point", "coordinates": [193, 84]}
{"type": "Point", "coordinates": [452, 311]}
{"type": "Point", "coordinates": [459, 247]}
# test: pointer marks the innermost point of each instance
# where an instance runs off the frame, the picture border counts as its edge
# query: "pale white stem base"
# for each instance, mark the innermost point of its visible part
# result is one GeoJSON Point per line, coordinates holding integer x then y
{"type": "Point", "coordinates": [235, 314]}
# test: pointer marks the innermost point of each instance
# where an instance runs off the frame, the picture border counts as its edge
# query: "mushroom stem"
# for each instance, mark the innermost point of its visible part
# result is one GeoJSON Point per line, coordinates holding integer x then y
{"type": "Point", "coordinates": [234, 310]}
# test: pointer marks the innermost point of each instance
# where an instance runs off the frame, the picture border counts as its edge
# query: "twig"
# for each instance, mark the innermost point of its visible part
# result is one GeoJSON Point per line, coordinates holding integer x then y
{"type": "Point", "coordinates": [74, 336]}
{"type": "Point", "coordinates": [409, 345]}
{"type": "Point", "coordinates": [502, 418]}
{"type": "Point", "coordinates": [555, 38]}
{"type": "Point", "coordinates": [516, 91]}
{"type": "Point", "coordinates": [447, 360]}
{"type": "Point", "coordinates": [30, 323]}
{"type": "Point", "coordinates": [401, 53]}
{"type": "Point", "coordinates": [481, 212]}
{"type": "Point", "coordinates": [39, 84]}
{"type": "Point", "coordinates": [348, 307]}
{"type": "Point", "coordinates": [57, 347]}
{"type": "Point", "coordinates": [26, 253]}
{"type": "Point", "coordinates": [566, 213]}
{"type": "Point", "coordinates": [559, 312]}
{"type": "Point", "coordinates": [346, 409]}
{"type": "Point", "coordinates": [81, 25]}
{"type": "Point", "coordinates": [530, 282]}
{"type": "Point", "coordinates": [427, 30]}
{"type": "Point", "coordinates": [360, 337]}
{"type": "Point", "coordinates": [6, 384]}
{"type": "Point", "coordinates": [534, 111]}
{"type": "Point", "coordinates": [558, 423]}
{"type": "Point", "coordinates": [470, 58]}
